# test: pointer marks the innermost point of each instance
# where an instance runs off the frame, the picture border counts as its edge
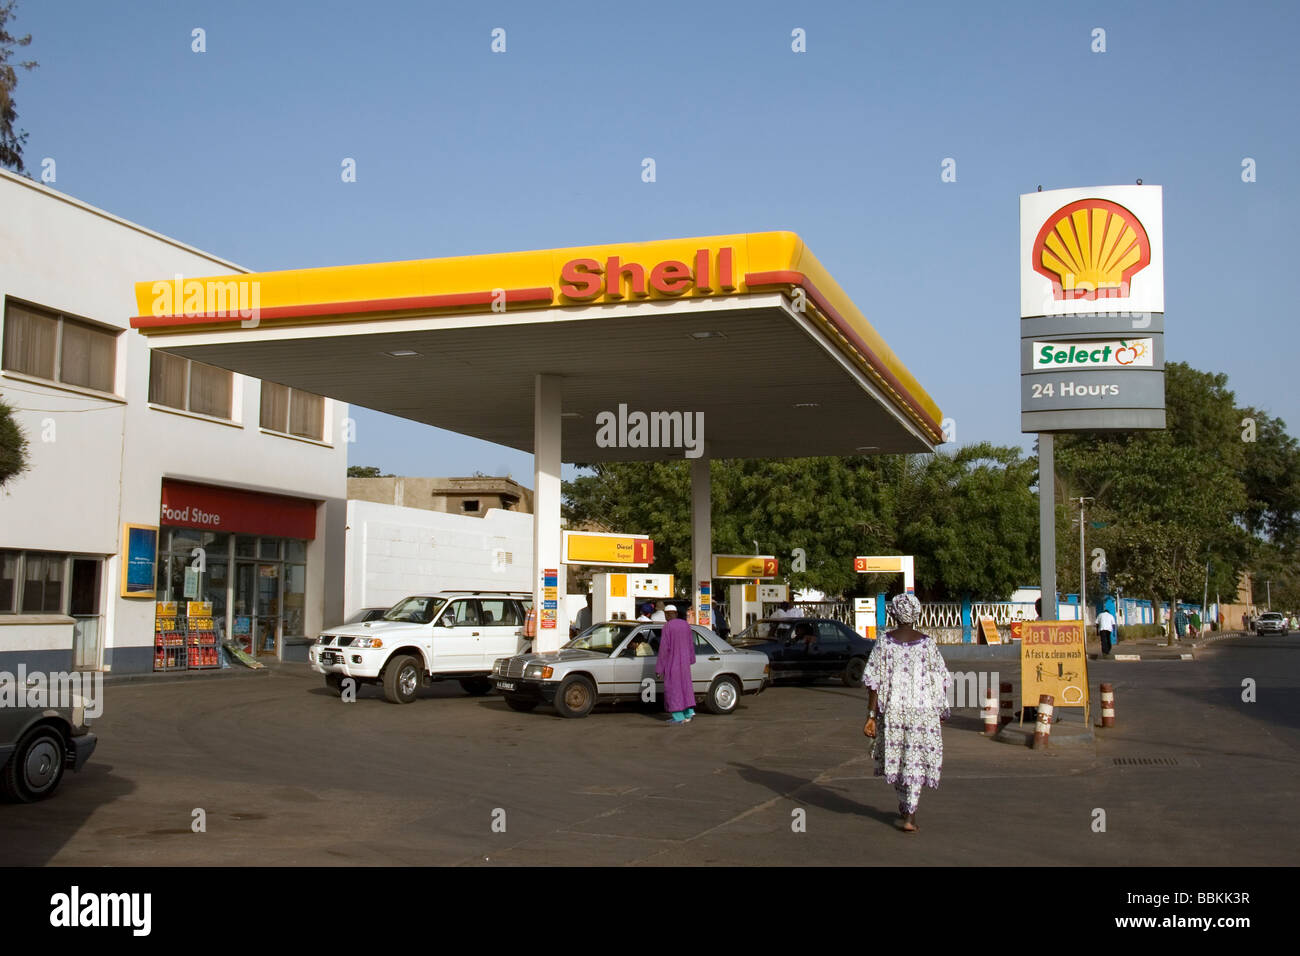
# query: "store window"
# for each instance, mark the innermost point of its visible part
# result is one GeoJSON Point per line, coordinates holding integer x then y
{"type": "Point", "coordinates": [190, 386]}
{"type": "Point", "coordinates": [53, 346]}
{"type": "Point", "coordinates": [292, 411]}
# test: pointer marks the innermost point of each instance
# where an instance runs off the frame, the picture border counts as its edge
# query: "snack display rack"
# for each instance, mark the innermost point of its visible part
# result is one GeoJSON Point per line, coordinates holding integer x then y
{"type": "Point", "coordinates": [185, 642]}
{"type": "Point", "coordinates": [168, 639]}
{"type": "Point", "coordinates": [202, 647]}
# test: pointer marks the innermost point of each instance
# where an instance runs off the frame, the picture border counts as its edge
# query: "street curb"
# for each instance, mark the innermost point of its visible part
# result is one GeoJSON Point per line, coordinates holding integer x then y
{"type": "Point", "coordinates": [1023, 735]}
{"type": "Point", "coordinates": [165, 677]}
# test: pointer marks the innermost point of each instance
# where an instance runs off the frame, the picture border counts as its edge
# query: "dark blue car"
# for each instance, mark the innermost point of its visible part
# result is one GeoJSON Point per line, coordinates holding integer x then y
{"type": "Point", "coordinates": [808, 649]}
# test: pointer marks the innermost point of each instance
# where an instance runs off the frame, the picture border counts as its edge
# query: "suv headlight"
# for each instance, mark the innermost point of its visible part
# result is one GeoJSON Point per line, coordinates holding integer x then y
{"type": "Point", "coordinates": [539, 671]}
{"type": "Point", "coordinates": [368, 642]}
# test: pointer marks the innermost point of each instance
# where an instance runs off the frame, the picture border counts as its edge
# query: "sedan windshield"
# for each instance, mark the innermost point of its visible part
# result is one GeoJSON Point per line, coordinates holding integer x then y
{"type": "Point", "coordinates": [415, 610]}
{"type": "Point", "coordinates": [602, 638]}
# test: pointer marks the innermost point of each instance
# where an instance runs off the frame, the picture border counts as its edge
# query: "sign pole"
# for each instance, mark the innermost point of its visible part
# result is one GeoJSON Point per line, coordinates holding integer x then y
{"type": "Point", "coordinates": [1047, 524]}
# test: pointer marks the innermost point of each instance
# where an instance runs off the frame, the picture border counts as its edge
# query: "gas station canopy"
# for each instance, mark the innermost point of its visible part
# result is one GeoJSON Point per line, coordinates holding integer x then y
{"type": "Point", "coordinates": [749, 330]}
{"type": "Point", "coordinates": [737, 346]}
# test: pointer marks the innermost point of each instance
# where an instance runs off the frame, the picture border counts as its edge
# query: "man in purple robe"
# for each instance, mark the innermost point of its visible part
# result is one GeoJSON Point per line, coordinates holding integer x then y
{"type": "Point", "coordinates": [676, 655]}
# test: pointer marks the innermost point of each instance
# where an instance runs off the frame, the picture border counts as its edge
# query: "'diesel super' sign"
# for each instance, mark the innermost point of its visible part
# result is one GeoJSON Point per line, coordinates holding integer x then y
{"type": "Point", "coordinates": [1092, 304]}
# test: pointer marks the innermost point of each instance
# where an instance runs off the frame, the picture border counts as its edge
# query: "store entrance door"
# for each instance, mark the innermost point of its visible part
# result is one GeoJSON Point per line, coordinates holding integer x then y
{"type": "Point", "coordinates": [257, 607]}
{"type": "Point", "coordinates": [87, 634]}
{"type": "Point", "coordinates": [267, 633]}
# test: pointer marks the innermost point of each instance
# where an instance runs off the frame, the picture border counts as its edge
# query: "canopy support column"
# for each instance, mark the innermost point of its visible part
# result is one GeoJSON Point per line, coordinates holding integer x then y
{"type": "Point", "coordinates": [548, 572]}
{"type": "Point", "coordinates": [701, 540]}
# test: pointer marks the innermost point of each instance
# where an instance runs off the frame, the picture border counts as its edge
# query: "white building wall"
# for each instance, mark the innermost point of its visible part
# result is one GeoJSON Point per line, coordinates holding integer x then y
{"type": "Point", "coordinates": [394, 552]}
{"type": "Point", "coordinates": [96, 461]}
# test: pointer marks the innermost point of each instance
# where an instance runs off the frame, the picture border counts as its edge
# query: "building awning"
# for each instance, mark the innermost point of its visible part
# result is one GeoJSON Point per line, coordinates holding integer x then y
{"type": "Point", "coordinates": [749, 330]}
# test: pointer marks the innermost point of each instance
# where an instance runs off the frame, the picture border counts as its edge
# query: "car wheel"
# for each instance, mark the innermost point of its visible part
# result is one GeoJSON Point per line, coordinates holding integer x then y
{"type": "Point", "coordinates": [522, 704]}
{"type": "Point", "coordinates": [478, 686]}
{"type": "Point", "coordinates": [723, 696]}
{"type": "Point", "coordinates": [401, 679]}
{"type": "Point", "coordinates": [35, 768]}
{"type": "Point", "coordinates": [852, 675]}
{"type": "Point", "coordinates": [576, 698]}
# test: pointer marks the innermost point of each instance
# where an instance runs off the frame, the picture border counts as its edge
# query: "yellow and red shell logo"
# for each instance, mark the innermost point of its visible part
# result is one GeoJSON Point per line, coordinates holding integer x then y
{"type": "Point", "coordinates": [1091, 249]}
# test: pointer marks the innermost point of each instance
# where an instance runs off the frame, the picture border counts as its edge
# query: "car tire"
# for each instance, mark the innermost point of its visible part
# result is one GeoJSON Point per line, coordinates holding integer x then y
{"type": "Point", "coordinates": [576, 697]}
{"type": "Point", "coordinates": [477, 686]}
{"type": "Point", "coordinates": [852, 675]}
{"type": "Point", "coordinates": [401, 679]}
{"type": "Point", "coordinates": [522, 704]}
{"type": "Point", "coordinates": [35, 768]}
{"type": "Point", "coordinates": [723, 695]}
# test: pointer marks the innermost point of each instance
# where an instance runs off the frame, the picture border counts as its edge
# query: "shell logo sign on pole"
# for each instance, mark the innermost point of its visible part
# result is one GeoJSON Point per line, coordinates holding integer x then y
{"type": "Point", "coordinates": [1091, 249]}
{"type": "Point", "coordinates": [1092, 304]}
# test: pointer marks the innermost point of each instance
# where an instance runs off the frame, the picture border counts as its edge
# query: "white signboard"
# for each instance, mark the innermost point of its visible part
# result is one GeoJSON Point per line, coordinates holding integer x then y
{"type": "Point", "coordinates": [1098, 249]}
{"type": "Point", "coordinates": [1114, 353]}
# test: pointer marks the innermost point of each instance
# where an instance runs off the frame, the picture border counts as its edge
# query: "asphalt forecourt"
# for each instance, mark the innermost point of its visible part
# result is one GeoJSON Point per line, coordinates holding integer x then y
{"type": "Point", "coordinates": [281, 772]}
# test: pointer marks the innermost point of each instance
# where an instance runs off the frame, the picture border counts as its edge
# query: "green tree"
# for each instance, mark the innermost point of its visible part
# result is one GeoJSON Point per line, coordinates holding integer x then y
{"type": "Point", "coordinates": [13, 446]}
{"type": "Point", "coordinates": [970, 518]}
{"type": "Point", "coordinates": [365, 471]}
{"type": "Point", "coordinates": [1169, 500]}
{"type": "Point", "coordinates": [11, 139]}
{"type": "Point", "coordinates": [967, 516]}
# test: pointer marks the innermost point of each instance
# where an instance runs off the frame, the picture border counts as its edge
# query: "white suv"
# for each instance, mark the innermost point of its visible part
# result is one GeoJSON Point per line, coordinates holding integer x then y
{"type": "Point", "coordinates": [425, 638]}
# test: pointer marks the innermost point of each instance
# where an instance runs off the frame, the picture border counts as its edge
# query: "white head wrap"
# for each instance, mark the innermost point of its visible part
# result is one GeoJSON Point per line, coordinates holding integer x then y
{"type": "Point", "coordinates": [905, 607]}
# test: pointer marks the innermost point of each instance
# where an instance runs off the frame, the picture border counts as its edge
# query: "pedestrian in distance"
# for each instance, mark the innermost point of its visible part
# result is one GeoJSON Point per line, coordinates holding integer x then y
{"type": "Point", "coordinates": [658, 613]}
{"type": "Point", "coordinates": [1105, 628]}
{"type": "Point", "coordinates": [676, 655]}
{"type": "Point", "coordinates": [646, 610]}
{"type": "Point", "coordinates": [908, 699]}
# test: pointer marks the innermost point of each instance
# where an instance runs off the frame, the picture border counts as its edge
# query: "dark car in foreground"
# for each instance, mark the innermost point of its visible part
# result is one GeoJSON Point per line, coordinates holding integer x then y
{"type": "Point", "coordinates": [808, 649]}
{"type": "Point", "coordinates": [37, 744]}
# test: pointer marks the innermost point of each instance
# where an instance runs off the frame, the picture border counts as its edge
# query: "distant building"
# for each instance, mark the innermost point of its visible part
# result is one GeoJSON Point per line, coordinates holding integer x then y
{"type": "Point", "coordinates": [463, 496]}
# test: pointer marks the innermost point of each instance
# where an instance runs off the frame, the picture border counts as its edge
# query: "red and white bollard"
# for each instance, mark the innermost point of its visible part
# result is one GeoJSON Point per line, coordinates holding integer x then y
{"type": "Point", "coordinates": [1005, 712]}
{"type": "Point", "coordinates": [990, 713]}
{"type": "Point", "coordinates": [1043, 728]}
{"type": "Point", "coordinates": [1108, 705]}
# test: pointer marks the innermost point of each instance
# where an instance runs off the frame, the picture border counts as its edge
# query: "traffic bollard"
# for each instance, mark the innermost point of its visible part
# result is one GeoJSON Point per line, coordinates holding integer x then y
{"type": "Point", "coordinates": [1005, 714]}
{"type": "Point", "coordinates": [1108, 705]}
{"type": "Point", "coordinates": [1043, 728]}
{"type": "Point", "coordinates": [990, 713]}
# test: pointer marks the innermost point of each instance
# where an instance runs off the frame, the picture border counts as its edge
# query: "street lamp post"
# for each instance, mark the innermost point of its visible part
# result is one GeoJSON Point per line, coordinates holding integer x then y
{"type": "Point", "coordinates": [1083, 565]}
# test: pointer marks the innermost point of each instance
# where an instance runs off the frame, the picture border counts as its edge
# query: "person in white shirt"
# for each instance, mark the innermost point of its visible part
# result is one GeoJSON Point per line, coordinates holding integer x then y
{"type": "Point", "coordinates": [659, 615]}
{"type": "Point", "coordinates": [646, 610]}
{"type": "Point", "coordinates": [1105, 628]}
{"type": "Point", "coordinates": [786, 610]}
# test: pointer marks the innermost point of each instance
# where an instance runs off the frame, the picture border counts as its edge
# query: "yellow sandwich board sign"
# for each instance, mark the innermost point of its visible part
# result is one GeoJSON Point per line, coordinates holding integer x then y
{"type": "Point", "coordinates": [989, 630]}
{"type": "Point", "coordinates": [1053, 661]}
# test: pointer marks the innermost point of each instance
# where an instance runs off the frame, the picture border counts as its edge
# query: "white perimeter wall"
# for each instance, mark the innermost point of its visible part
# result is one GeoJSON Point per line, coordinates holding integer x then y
{"type": "Point", "coordinates": [394, 552]}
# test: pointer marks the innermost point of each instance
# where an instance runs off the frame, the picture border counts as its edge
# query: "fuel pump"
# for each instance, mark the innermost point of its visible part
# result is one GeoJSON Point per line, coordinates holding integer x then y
{"type": "Point", "coordinates": [745, 601]}
{"type": "Point", "coordinates": [615, 596]}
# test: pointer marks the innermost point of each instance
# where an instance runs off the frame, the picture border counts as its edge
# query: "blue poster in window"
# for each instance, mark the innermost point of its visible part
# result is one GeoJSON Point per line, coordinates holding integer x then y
{"type": "Point", "coordinates": [139, 560]}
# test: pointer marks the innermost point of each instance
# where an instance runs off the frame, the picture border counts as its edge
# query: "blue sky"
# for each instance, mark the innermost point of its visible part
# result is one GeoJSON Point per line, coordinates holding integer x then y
{"type": "Point", "coordinates": [459, 151]}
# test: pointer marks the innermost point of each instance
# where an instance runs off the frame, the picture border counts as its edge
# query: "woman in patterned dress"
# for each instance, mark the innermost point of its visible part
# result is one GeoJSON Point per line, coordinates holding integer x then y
{"type": "Point", "coordinates": [909, 697]}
